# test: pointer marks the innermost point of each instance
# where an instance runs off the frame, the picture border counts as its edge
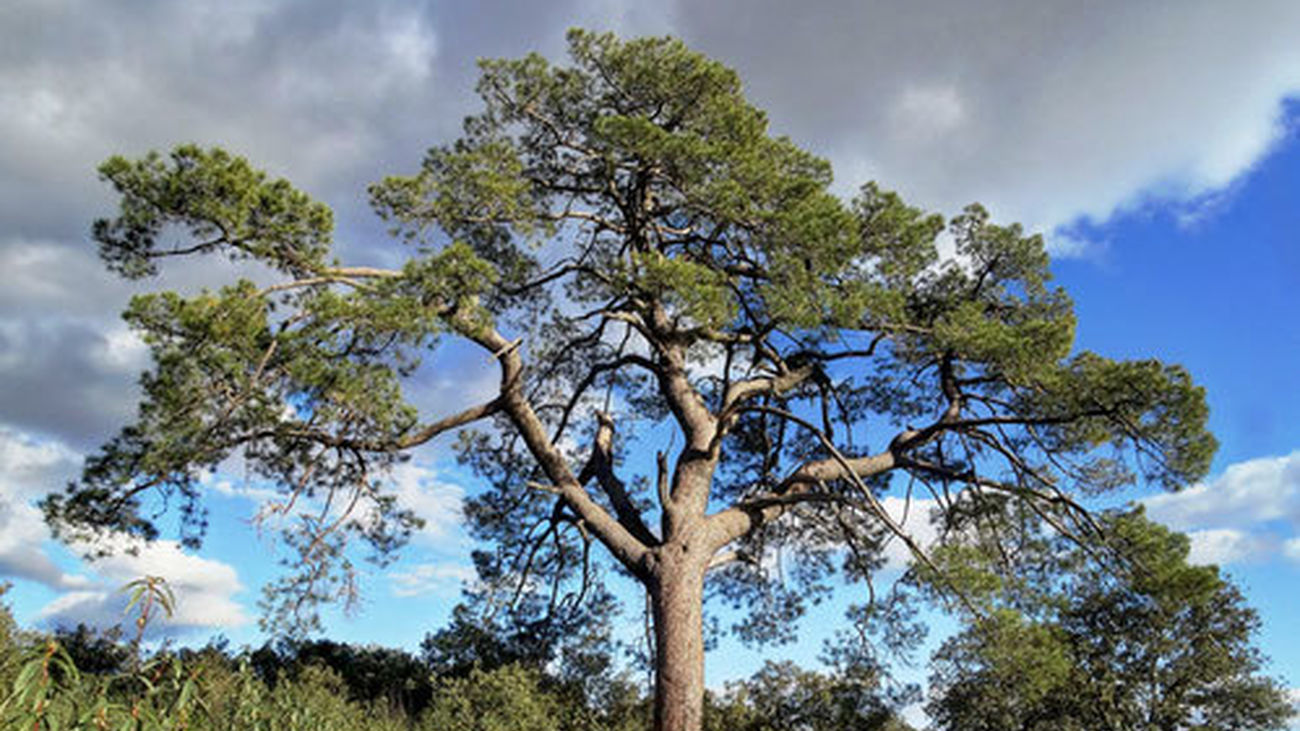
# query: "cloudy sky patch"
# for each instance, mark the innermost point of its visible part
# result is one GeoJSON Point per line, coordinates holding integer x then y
{"type": "Point", "coordinates": [1251, 511]}
{"type": "Point", "coordinates": [205, 588]}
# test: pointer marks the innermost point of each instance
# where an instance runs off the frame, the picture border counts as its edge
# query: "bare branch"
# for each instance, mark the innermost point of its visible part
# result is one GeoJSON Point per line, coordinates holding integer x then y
{"type": "Point", "coordinates": [740, 392]}
{"type": "Point", "coordinates": [601, 466]}
{"type": "Point", "coordinates": [625, 546]}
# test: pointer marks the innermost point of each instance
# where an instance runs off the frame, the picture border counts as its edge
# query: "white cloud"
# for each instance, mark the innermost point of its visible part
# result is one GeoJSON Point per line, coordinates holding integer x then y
{"type": "Point", "coordinates": [1291, 549]}
{"type": "Point", "coordinates": [914, 518]}
{"type": "Point", "coordinates": [1258, 490]}
{"type": "Point", "coordinates": [204, 588]}
{"type": "Point", "coordinates": [442, 579]}
{"type": "Point", "coordinates": [1250, 511]}
{"type": "Point", "coordinates": [1124, 103]}
{"type": "Point", "coordinates": [419, 489]}
{"type": "Point", "coordinates": [22, 554]}
{"type": "Point", "coordinates": [30, 468]}
{"type": "Point", "coordinates": [1224, 546]}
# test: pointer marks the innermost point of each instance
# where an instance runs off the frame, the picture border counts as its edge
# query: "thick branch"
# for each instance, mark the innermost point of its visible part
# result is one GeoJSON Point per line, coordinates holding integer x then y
{"type": "Point", "coordinates": [601, 466]}
{"type": "Point", "coordinates": [429, 431]}
{"type": "Point", "coordinates": [748, 515]}
{"type": "Point", "coordinates": [685, 402]}
{"type": "Point", "coordinates": [741, 391]}
{"type": "Point", "coordinates": [625, 546]}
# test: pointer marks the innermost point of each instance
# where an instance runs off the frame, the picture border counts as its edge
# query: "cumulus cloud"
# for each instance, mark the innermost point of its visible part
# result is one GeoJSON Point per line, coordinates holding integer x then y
{"type": "Point", "coordinates": [1045, 112]}
{"type": "Point", "coordinates": [913, 517]}
{"type": "Point", "coordinates": [1258, 490]}
{"type": "Point", "coordinates": [419, 488]}
{"type": "Point", "coordinates": [204, 588]}
{"type": "Point", "coordinates": [1224, 546]}
{"type": "Point", "coordinates": [29, 469]}
{"type": "Point", "coordinates": [1250, 511]}
{"type": "Point", "coordinates": [442, 579]}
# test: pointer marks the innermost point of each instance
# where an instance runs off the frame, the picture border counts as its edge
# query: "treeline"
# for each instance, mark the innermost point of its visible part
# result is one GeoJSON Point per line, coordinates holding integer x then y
{"type": "Point", "coordinates": [466, 678]}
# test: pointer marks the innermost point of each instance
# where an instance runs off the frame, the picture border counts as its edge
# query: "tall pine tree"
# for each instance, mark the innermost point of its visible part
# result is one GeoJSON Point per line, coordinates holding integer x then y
{"type": "Point", "coordinates": [707, 361]}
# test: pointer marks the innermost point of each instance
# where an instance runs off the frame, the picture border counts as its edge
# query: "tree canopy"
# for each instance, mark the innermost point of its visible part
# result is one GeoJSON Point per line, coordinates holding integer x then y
{"type": "Point", "coordinates": [707, 360]}
{"type": "Point", "coordinates": [1159, 645]}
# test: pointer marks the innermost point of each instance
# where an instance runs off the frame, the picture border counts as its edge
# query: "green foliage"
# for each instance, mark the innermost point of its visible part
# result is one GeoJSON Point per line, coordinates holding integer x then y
{"type": "Point", "coordinates": [663, 123]}
{"type": "Point", "coordinates": [204, 691]}
{"type": "Point", "coordinates": [694, 290]}
{"type": "Point", "coordinates": [9, 643]}
{"type": "Point", "coordinates": [390, 679]}
{"type": "Point", "coordinates": [506, 699]}
{"type": "Point", "coordinates": [301, 686]}
{"type": "Point", "coordinates": [146, 593]}
{"type": "Point", "coordinates": [470, 641]}
{"type": "Point", "coordinates": [1154, 404]}
{"type": "Point", "coordinates": [783, 697]}
{"type": "Point", "coordinates": [220, 200]}
{"type": "Point", "coordinates": [310, 400]}
{"type": "Point", "coordinates": [1152, 644]}
{"type": "Point", "coordinates": [94, 652]}
{"type": "Point", "coordinates": [329, 686]}
{"type": "Point", "coordinates": [1021, 666]}
{"type": "Point", "coordinates": [38, 697]}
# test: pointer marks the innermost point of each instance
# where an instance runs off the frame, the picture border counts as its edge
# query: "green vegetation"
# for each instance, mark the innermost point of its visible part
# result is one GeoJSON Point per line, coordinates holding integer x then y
{"type": "Point", "coordinates": [1074, 643]}
{"type": "Point", "coordinates": [328, 686]}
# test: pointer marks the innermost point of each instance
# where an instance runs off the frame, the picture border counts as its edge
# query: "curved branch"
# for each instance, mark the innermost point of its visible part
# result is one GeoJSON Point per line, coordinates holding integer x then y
{"type": "Point", "coordinates": [626, 547]}
{"type": "Point", "coordinates": [740, 392]}
{"type": "Point", "coordinates": [749, 514]}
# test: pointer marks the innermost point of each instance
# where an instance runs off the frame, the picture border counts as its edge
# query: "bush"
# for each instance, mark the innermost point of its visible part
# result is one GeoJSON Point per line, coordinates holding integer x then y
{"type": "Point", "coordinates": [506, 699]}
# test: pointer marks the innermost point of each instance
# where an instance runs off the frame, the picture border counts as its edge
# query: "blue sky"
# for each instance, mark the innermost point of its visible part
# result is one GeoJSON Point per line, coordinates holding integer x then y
{"type": "Point", "coordinates": [1158, 148]}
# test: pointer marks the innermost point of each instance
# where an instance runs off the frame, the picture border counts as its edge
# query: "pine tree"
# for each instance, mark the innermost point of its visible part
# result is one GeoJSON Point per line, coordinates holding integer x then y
{"type": "Point", "coordinates": [707, 359]}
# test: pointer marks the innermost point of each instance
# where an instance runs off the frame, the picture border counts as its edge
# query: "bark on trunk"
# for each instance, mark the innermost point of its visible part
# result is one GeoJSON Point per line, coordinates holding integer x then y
{"type": "Point", "coordinates": [677, 598]}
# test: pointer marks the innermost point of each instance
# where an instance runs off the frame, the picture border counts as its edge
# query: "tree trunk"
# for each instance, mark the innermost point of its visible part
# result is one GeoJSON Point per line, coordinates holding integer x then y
{"type": "Point", "coordinates": [677, 599]}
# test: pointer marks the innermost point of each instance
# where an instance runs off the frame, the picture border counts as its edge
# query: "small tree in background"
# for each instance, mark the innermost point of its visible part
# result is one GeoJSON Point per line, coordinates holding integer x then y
{"type": "Point", "coordinates": [711, 368]}
{"type": "Point", "coordinates": [1159, 645]}
{"type": "Point", "coordinates": [784, 697]}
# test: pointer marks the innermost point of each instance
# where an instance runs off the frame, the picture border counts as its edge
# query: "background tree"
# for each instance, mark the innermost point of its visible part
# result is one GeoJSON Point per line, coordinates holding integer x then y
{"type": "Point", "coordinates": [573, 657]}
{"type": "Point", "coordinates": [372, 675]}
{"type": "Point", "coordinates": [709, 364]}
{"type": "Point", "coordinates": [782, 696]}
{"type": "Point", "coordinates": [93, 651]}
{"type": "Point", "coordinates": [1157, 645]}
